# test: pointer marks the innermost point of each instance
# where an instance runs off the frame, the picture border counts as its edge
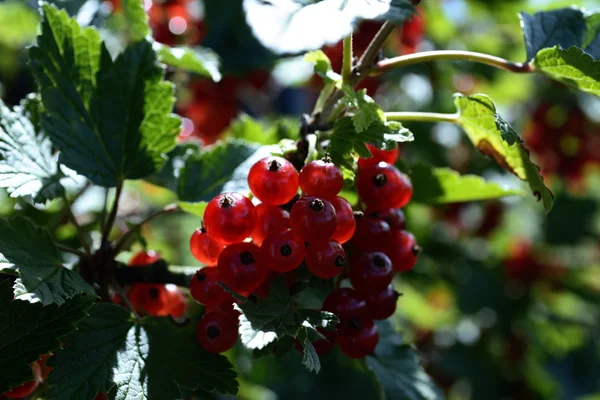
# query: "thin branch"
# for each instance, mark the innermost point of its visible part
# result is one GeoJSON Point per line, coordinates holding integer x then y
{"type": "Point", "coordinates": [113, 214]}
{"type": "Point", "coordinates": [451, 55]}
{"type": "Point", "coordinates": [167, 209]}
{"type": "Point", "coordinates": [157, 272]}
{"type": "Point", "coordinates": [78, 228]}
{"type": "Point", "coordinates": [421, 116]}
{"type": "Point", "coordinates": [71, 250]}
{"type": "Point", "coordinates": [347, 60]}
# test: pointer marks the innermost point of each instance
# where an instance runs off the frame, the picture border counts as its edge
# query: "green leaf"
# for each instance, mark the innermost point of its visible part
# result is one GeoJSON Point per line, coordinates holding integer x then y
{"type": "Point", "coordinates": [27, 165]}
{"type": "Point", "coordinates": [110, 119]}
{"type": "Point", "coordinates": [18, 24]}
{"type": "Point", "coordinates": [136, 19]}
{"type": "Point", "coordinates": [573, 67]}
{"type": "Point", "coordinates": [366, 110]}
{"type": "Point", "coordinates": [396, 367]}
{"type": "Point", "coordinates": [330, 20]}
{"type": "Point", "coordinates": [495, 138]}
{"type": "Point", "coordinates": [444, 185]}
{"type": "Point", "coordinates": [196, 209]}
{"type": "Point", "coordinates": [322, 66]}
{"type": "Point", "coordinates": [29, 250]}
{"type": "Point", "coordinates": [321, 319]}
{"type": "Point", "coordinates": [346, 143]}
{"type": "Point", "coordinates": [30, 330]}
{"type": "Point", "coordinates": [310, 358]}
{"type": "Point", "coordinates": [564, 27]}
{"type": "Point", "coordinates": [247, 128]}
{"type": "Point", "coordinates": [148, 359]}
{"type": "Point", "coordinates": [199, 60]}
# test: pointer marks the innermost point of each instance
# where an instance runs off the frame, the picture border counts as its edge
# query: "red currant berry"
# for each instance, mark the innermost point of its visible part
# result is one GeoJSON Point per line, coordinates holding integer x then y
{"type": "Point", "coordinates": [321, 178]}
{"type": "Point", "coordinates": [350, 308]}
{"type": "Point", "coordinates": [362, 342]}
{"type": "Point", "coordinates": [45, 369]}
{"type": "Point", "coordinates": [205, 290]}
{"type": "Point", "coordinates": [147, 297]}
{"type": "Point", "coordinates": [101, 396]}
{"type": "Point", "coordinates": [383, 304]}
{"type": "Point", "coordinates": [174, 302]}
{"type": "Point", "coordinates": [205, 248]}
{"type": "Point", "coordinates": [371, 273]}
{"type": "Point", "coordinates": [388, 156]}
{"type": "Point", "coordinates": [217, 331]}
{"type": "Point", "coordinates": [26, 388]}
{"type": "Point", "coordinates": [403, 250]}
{"type": "Point", "coordinates": [394, 217]}
{"type": "Point", "coordinates": [382, 186]}
{"type": "Point", "coordinates": [371, 234]}
{"type": "Point", "coordinates": [238, 268]}
{"type": "Point", "coordinates": [273, 180]}
{"type": "Point", "coordinates": [313, 218]}
{"type": "Point", "coordinates": [230, 217]}
{"type": "Point", "coordinates": [325, 259]}
{"type": "Point", "coordinates": [144, 258]}
{"type": "Point", "coordinates": [282, 252]}
{"type": "Point", "coordinates": [346, 224]}
{"type": "Point", "coordinates": [269, 220]}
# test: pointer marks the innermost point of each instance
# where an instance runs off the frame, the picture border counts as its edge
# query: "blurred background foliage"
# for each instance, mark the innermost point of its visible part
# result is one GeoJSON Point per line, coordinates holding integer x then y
{"type": "Point", "coordinates": [504, 302]}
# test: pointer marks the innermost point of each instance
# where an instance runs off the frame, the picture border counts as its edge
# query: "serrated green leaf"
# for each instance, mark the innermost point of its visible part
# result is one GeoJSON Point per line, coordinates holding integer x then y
{"type": "Point", "coordinates": [31, 251]}
{"type": "Point", "coordinates": [443, 186]}
{"type": "Point", "coordinates": [322, 66]}
{"type": "Point", "coordinates": [573, 67]}
{"type": "Point", "coordinates": [396, 367]}
{"type": "Point", "coordinates": [199, 60]}
{"type": "Point", "coordinates": [366, 110]}
{"type": "Point", "coordinates": [18, 24]}
{"type": "Point", "coordinates": [196, 209]}
{"type": "Point", "coordinates": [330, 20]}
{"type": "Point", "coordinates": [27, 165]}
{"type": "Point", "coordinates": [310, 358]}
{"type": "Point", "coordinates": [30, 330]}
{"type": "Point", "coordinates": [136, 19]}
{"type": "Point", "coordinates": [110, 119]}
{"type": "Point", "coordinates": [494, 137]}
{"type": "Point", "coordinates": [148, 359]}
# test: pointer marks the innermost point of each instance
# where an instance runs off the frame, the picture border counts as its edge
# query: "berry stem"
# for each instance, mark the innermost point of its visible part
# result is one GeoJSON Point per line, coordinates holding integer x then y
{"type": "Point", "coordinates": [121, 292]}
{"type": "Point", "coordinates": [113, 214]}
{"type": "Point", "coordinates": [347, 60]}
{"type": "Point", "coordinates": [421, 116]}
{"type": "Point", "coordinates": [123, 240]}
{"type": "Point", "coordinates": [451, 55]}
{"type": "Point", "coordinates": [80, 233]}
{"type": "Point", "coordinates": [71, 250]}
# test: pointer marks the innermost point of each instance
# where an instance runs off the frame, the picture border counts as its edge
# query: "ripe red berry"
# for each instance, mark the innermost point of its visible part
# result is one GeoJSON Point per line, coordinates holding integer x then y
{"type": "Point", "coordinates": [269, 219]}
{"type": "Point", "coordinates": [321, 178]}
{"type": "Point", "coordinates": [361, 342]}
{"type": "Point", "coordinates": [371, 234]}
{"type": "Point", "coordinates": [403, 250]}
{"type": "Point", "coordinates": [382, 305]}
{"type": "Point", "coordinates": [350, 308]}
{"type": "Point", "coordinates": [174, 302]}
{"type": "Point", "coordinates": [282, 252]}
{"type": "Point", "coordinates": [313, 218]}
{"type": "Point", "coordinates": [26, 388]}
{"type": "Point", "coordinates": [273, 180]}
{"type": "Point", "coordinates": [388, 156]}
{"type": "Point", "coordinates": [144, 258]}
{"type": "Point", "coordinates": [205, 248]}
{"type": "Point", "coordinates": [325, 259]}
{"type": "Point", "coordinates": [238, 268]}
{"type": "Point", "coordinates": [230, 217]}
{"type": "Point", "coordinates": [204, 288]}
{"type": "Point", "coordinates": [147, 297]}
{"type": "Point", "coordinates": [371, 272]}
{"type": "Point", "coordinates": [44, 369]}
{"type": "Point", "coordinates": [382, 186]}
{"type": "Point", "coordinates": [346, 225]}
{"type": "Point", "coordinates": [217, 331]}
{"type": "Point", "coordinates": [394, 217]}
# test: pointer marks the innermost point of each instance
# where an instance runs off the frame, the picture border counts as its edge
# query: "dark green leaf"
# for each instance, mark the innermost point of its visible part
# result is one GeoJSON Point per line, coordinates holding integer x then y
{"type": "Point", "coordinates": [27, 165]}
{"type": "Point", "coordinates": [30, 250]}
{"type": "Point", "coordinates": [149, 359]}
{"type": "Point", "coordinates": [310, 358]}
{"type": "Point", "coordinates": [443, 185]}
{"type": "Point", "coordinates": [396, 367]}
{"type": "Point", "coordinates": [329, 20]}
{"type": "Point", "coordinates": [495, 138]}
{"type": "Point", "coordinates": [366, 111]}
{"type": "Point", "coordinates": [573, 67]}
{"type": "Point", "coordinates": [198, 60]}
{"type": "Point", "coordinates": [111, 120]}
{"type": "Point", "coordinates": [30, 330]}
{"type": "Point", "coordinates": [136, 19]}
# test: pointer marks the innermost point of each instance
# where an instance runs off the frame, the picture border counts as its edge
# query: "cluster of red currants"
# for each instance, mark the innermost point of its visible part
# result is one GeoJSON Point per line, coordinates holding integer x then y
{"type": "Point", "coordinates": [244, 246]}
